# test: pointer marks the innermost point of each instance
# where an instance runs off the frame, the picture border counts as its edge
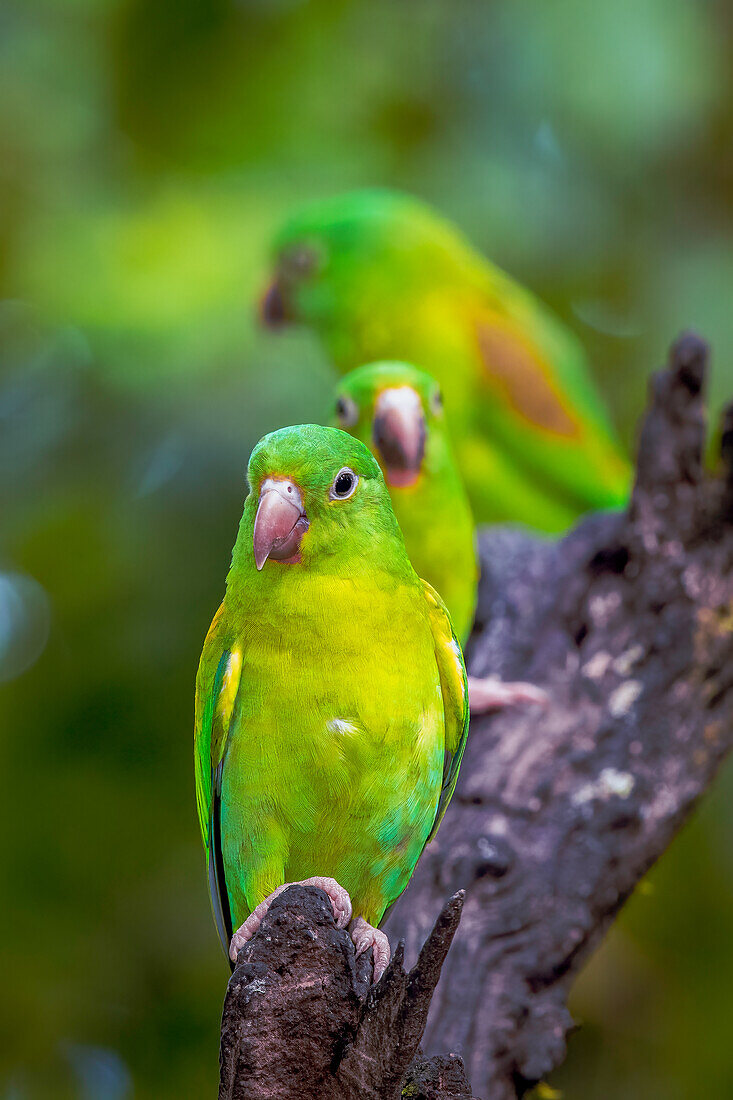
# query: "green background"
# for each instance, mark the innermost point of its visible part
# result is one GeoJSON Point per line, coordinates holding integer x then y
{"type": "Point", "coordinates": [147, 152]}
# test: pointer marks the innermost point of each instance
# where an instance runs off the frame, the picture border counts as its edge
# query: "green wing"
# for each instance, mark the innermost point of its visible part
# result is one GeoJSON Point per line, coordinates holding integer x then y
{"type": "Point", "coordinates": [215, 698]}
{"type": "Point", "coordinates": [454, 687]}
{"type": "Point", "coordinates": [544, 407]}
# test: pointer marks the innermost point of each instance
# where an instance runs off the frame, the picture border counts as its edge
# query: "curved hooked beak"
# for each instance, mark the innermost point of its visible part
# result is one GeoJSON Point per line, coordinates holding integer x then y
{"type": "Point", "coordinates": [280, 522]}
{"type": "Point", "coordinates": [399, 434]}
{"type": "Point", "coordinates": [273, 310]}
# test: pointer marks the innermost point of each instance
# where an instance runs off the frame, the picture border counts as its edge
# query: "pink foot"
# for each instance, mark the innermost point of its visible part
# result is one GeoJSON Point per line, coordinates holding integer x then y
{"type": "Point", "coordinates": [340, 901]}
{"type": "Point", "coordinates": [491, 693]}
{"type": "Point", "coordinates": [364, 937]}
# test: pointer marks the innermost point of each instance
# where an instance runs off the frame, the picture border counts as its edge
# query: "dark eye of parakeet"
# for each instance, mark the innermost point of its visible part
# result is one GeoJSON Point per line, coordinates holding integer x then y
{"type": "Point", "coordinates": [301, 261]}
{"type": "Point", "coordinates": [436, 402]}
{"type": "Point", "coordinates": [347, 412]}
{"type": "Point", "coordinates": [344, 484]}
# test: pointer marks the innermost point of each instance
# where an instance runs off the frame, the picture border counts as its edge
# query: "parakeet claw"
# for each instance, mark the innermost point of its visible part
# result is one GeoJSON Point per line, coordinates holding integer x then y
{"type": "Point", "coordinates": [339, 898]}
{"type": "Point", "coordinates": [364, 937]}
{"type": "Point", "coordinates": [491, 693]}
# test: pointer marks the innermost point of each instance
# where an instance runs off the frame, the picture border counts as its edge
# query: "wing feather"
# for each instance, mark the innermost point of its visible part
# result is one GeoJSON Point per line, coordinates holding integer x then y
{"type": "Point", "coordinates": [215, 699]}
{"type": "Point", "coordinates": [454, 688]}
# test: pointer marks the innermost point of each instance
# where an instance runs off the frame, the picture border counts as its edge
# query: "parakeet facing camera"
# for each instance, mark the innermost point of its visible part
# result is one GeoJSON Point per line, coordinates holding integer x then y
{"type": "Point", "coordinates": [331, 699]}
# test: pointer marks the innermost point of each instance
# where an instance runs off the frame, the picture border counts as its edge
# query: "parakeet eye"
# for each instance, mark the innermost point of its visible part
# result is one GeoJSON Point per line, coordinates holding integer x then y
{"type": "Point", "coordinates": [301, 261]}
{"type": "Point", "coordinates": [347, 412]}
{"type": "Point", "coordinates": [344, 484]}
{"type": "Point", "coordinates": [436, 402]}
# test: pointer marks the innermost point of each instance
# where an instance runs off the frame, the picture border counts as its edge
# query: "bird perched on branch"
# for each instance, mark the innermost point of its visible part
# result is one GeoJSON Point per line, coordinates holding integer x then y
{"type": "Point", "coordinates": [397, 411]}
{"type": "Point", "coordinates": [331, 700]}
{"type": "Point", "coordinates": [379, 275]}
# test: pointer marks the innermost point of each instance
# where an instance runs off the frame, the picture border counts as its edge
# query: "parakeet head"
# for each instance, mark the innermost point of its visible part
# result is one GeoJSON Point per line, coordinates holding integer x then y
{"type": "Point", "coordinates": [316, 499]}
{"type": "Point", "coordinates": [397, 411]}
{"type": "Point", "coordinates": [358, 258]}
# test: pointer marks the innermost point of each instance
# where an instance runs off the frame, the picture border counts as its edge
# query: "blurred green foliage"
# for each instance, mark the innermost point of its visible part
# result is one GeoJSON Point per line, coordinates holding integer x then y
{"type": "Point", "coordinates": [147, 151]}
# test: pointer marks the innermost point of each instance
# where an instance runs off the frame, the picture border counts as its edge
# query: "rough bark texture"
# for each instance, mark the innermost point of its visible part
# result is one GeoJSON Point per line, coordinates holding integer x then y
{"type": "Point", "coordinates": [300, 1019]}
{"type": "Point", "coordinates": [627, 623]}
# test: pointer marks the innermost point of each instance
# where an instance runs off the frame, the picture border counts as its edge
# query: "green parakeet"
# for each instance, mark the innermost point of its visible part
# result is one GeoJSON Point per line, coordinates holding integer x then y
{"type": "Point", "coordinates": [331, 699]}
{"type": "Point", "coordinates": [379, 275]}
{"type": "Point", "coordinates": [397, 411]}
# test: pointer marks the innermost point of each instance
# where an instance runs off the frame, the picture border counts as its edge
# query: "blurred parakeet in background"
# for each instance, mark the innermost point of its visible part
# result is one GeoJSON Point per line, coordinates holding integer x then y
{"type": "Point", "coordinates": [379, 275]}
{"type": "Point", "coordinates": [397, 411]}
{"type": "Point", "coordinates": [331, 699]}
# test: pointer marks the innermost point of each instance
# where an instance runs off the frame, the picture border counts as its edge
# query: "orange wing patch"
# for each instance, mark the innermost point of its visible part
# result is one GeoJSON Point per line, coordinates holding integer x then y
{"type": "Point", "coordinates": [515, 369]}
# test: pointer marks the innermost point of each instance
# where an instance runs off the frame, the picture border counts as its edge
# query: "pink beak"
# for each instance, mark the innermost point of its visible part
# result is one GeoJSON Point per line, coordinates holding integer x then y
{"type": "Point", "coordinates": [280, 522]}
{"type": "Point", "coordinates": [399, 434]}
{"type": "Point", "coordinates": [273, 310]}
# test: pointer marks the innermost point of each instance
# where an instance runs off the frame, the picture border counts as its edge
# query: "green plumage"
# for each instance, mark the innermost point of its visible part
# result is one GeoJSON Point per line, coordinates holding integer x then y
{"type": "Point", "coordinates": [434, 513]}
{"type": "Point", "coordinates": [331, 702]}
{"type": "Point", "coordinates": [380, 276]}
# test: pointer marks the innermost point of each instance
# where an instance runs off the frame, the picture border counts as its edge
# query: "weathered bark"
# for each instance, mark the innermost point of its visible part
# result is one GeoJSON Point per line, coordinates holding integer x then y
{"type": "Point", "coordinates": [300, 1019]}
{"type": "Point", "coordinates": [627, 623]}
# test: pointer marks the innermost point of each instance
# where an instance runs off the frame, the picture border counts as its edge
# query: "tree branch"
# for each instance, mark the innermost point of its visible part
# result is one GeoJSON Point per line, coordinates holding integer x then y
{"type": "Point", "coordinates": [300, 1019]}
{"type": "Point", "coordinates": [627, 623]}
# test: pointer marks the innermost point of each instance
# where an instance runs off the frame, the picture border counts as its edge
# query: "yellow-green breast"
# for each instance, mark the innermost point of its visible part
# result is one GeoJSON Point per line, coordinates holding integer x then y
{"type": "Point", "coordinates": [335, 755]}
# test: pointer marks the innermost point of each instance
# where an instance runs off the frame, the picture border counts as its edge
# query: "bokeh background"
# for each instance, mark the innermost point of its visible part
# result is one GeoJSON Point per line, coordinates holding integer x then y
{"type": "Point", "coordinates": [148, 148]}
